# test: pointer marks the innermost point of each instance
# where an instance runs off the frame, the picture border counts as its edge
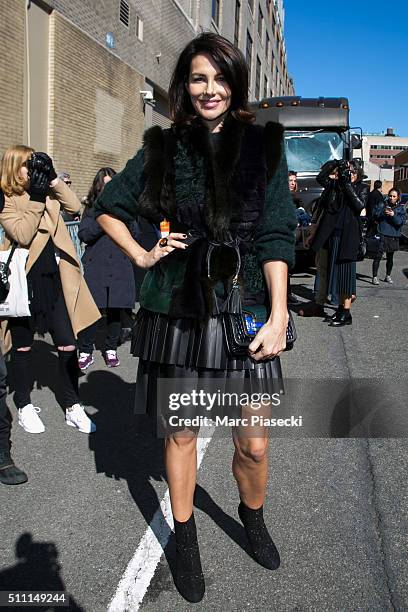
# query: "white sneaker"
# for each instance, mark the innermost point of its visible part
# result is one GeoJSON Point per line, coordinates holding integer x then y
{"type": "Point", "coordinates": [29, 420]}
{"type": "Point", "coordinates": [375, 280]}
{"type": "Point", "coordinates": [77, 417]}
{"type": "Point", "coordinates": [388, 279]}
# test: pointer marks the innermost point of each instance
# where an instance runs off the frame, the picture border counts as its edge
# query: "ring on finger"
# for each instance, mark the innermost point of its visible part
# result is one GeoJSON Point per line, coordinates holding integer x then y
{"type": "Point", "coordinates": [163, 242]}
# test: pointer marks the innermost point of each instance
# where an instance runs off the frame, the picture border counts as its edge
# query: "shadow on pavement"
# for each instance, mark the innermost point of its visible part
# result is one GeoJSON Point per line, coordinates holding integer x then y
{"type": "Point", "coordinates": [228, 524]}
{"type": "Point", "coordinates": [37, 569]}
{"type": "Point", "coordinates": [44, 369]}
{"type": "Point", "coordinates": [125, 447]}
{"type": "Point", "coordinates": [364, 277]}
{"type": "Point", "coordinates": [302, 291]}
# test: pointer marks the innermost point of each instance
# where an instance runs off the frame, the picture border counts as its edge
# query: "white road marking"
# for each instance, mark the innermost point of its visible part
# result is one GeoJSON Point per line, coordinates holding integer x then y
{"type": "Point", "coordinates": [140, 570]}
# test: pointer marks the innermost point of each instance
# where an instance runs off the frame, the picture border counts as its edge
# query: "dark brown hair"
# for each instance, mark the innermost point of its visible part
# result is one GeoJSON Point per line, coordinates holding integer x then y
{"type": "Point", "coordinates": [232, 65]}
{"type": "Point", "coordinates": [357, 167]}
{"type": "Point", "coordinates": [397, 191]}
{"type": "Point", "coordinates": [98, 185]}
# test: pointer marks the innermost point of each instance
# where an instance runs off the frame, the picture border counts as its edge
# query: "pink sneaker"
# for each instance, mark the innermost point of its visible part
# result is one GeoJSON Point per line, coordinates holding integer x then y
{"type": "Point", "coordinates": [111, 359]}
{"type": "Point", "coordinates": [85, 360]}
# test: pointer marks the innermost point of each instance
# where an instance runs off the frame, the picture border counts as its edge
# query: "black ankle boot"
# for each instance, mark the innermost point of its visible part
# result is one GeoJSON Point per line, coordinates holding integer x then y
{"type": "Point", "coordinates": [336, 315]}
{"type": "Point", "coordinates": [189, 578]}
{"type": "Point", "coordinates": [10, 474]}
{"type": "Point", "coordinates": [263, 548]}
{"type": "Point", "coordinates": [344, 318]}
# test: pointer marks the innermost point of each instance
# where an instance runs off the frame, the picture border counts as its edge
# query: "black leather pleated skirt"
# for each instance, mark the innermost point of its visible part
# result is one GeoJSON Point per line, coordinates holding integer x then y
{"type": "Point", "coordinates": [188, 348]}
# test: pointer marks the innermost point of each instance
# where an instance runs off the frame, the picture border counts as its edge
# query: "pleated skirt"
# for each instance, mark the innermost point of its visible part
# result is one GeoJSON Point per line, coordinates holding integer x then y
{"type": "Point", "coordinates": [342, 275]}
{"type": "Point", "coordinates": [194, 350]}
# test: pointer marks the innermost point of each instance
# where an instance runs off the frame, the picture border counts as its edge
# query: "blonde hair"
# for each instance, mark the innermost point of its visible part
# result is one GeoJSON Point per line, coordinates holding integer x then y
{"type": "Point", "coordinates": [13, 158]}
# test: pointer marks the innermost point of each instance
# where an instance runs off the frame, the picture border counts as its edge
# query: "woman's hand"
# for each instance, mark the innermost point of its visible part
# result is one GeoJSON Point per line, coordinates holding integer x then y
{"type": "Point", "coordinates": [149, 258]}
{"type": "Point", "coordinates": [311, 234]}
{"type": "Point", "coordinates": [270, 341]}
{"type": "Point", "coordinates": [43, 163]}
{"type": "Point", "coordinates": [39, 186]}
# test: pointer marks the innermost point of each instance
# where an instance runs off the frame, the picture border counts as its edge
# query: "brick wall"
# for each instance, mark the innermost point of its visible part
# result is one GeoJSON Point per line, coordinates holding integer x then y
{"type": "Point", "coordinates": [95, 117]}
{"type": "Point", "coordinates": [11, 73]}
{"type": "Point", "coordinates": [166, 31]}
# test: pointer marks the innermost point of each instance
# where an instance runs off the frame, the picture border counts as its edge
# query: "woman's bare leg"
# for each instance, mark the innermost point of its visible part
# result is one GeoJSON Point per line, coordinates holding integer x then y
{"type": "Point", "coordinates": [346, 301]}
{"type": "Point", "coordinates": [180, 457]}
{"type": "Point", "coordinates": [181, 467]}
{"type": "Point", "coordinates": [250, 466]}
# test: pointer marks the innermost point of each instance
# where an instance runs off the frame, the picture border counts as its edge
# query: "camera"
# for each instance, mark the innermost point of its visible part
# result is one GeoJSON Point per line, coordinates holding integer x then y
{"type": "Point", "coordinates": [344, 169]}
{"type": "Point", "coordinates": [40, 162]}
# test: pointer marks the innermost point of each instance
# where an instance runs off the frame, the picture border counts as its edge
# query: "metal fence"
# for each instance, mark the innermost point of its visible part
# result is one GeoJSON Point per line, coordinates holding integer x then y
{"type": "Point", "coordinates": [72, 227]}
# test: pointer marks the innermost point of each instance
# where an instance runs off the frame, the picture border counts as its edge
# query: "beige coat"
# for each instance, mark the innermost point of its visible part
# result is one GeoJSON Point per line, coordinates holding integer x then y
{"type": "Point", "coordinates": [30, 224]}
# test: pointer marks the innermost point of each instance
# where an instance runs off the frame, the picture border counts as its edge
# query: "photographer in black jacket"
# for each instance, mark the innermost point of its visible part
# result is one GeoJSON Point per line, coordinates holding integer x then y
{"type": "Point", "coordinates": [343, 199]}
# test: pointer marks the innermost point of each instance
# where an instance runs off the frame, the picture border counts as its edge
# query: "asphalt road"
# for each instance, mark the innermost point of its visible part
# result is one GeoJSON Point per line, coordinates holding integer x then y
{"type": "Point", "coordinates": [337, 495]}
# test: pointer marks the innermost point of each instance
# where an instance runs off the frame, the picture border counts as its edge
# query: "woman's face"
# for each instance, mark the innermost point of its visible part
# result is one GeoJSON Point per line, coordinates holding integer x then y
{"type": "Point", "coordinates": [292, 182]}
{"type": "Point", "coordinates": [209, 92]}
{"type": "Point", "coordinates": [393, 197]}
{"type": "Point", "coordinates": [23, 173]}
{"type": "Point", "coordinates": [106, 179]}
{"type": "Point", "coordinates": [353, 174]}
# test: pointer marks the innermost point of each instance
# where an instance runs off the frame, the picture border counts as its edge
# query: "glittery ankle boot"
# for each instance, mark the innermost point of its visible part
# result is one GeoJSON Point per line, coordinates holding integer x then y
{"type": "Point", "coordinates": [263, 548]}
{"type": "Point", "coordinates": [189, 578]}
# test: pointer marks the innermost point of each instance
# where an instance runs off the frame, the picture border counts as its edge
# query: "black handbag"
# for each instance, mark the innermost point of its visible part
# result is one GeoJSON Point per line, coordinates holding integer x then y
{"type": "Point", "coordinates": [241, 328]}
{"type": "Point", "coordinates": [4, 274]}
{"type": "Point", "coordinates": [242, 323]}
{"type": "Point", "coordinates": [374, 246]}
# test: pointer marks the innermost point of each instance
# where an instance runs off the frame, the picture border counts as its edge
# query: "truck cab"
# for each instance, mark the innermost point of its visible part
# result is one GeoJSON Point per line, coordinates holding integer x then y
{"type": "Point", "coordinates": [316, 131]}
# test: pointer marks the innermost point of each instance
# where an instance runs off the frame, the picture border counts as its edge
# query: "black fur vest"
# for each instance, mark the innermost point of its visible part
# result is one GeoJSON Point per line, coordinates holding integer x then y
{"type": "Point", "coordinates": [214, 184]}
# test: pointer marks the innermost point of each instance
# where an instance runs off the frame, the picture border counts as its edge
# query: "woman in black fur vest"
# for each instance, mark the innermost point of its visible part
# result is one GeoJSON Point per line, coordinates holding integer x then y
{"type": "Point", "coordinates": [222, 183]}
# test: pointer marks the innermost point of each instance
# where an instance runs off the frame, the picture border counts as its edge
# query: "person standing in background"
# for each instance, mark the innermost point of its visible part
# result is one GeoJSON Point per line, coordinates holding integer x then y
{"type": "Point", "coordinates": [375, 197]}
{"type": "Point", "coordinates": [60, 302]}
{"type": "Point", "coordinates": [338, 232]}
{"type": "Point", "coordinates": [292, 180]}
{"type": "Point", "coordinates": [390, 216]}
{"type": "Point", "coordinates": [109, 275]}
{"type": "Point", "coordinates": [67, 216]}
{"type": "Point", "coordinates": [10, 474]}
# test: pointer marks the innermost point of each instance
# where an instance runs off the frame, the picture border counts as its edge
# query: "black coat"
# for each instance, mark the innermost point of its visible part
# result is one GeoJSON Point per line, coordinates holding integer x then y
{"type": "Point", "coordinates": [342, 203]}
{"type": "Point", "coordinates": [375, 198]}
{"type": "Point", "coordinates": [108, 271]}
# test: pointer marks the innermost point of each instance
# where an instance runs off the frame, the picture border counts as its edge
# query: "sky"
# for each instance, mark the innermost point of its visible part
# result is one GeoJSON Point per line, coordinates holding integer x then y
{"type": "Point", "coordinates": [356, 49]}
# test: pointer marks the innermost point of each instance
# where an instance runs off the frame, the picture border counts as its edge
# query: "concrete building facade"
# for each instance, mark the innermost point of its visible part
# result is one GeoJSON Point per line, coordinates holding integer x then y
{"type": "Point", "coordinates": [384, 147]}
{"type": "Point", "coordinates": [73, 81]}
{"type": "Point", "coordinates": [378, 153]}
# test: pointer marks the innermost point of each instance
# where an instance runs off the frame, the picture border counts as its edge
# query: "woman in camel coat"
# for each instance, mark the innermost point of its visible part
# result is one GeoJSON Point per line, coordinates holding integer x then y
{"type": "Point", "coordinates": [60, 302]}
